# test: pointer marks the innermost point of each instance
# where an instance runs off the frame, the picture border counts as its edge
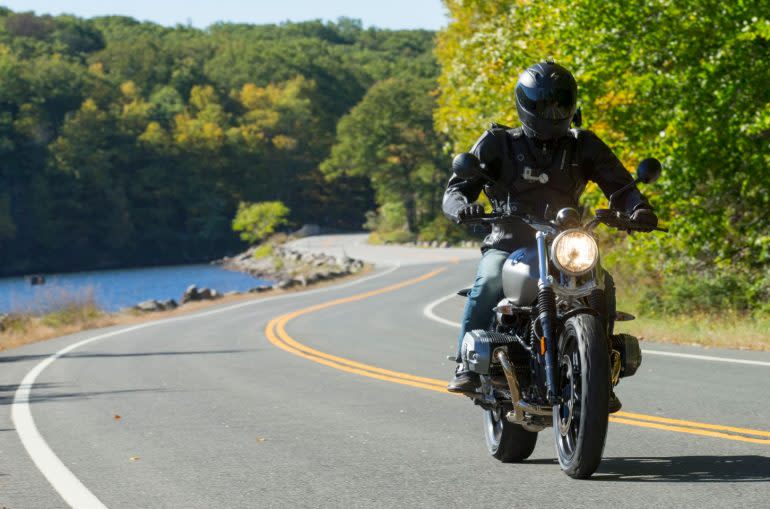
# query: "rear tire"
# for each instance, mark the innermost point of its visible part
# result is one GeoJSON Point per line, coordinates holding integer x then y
{"type": "Point", "coordinates": [507, 442]}
{"type": "Point", "coordinates": [580, 423]}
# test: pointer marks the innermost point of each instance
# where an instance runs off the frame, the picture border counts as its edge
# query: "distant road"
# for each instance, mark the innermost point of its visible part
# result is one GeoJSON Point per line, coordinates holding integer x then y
{"type": "Point", "coordinates": [355, 246]}
{"type": "Point", "coordinates": [334, 398]}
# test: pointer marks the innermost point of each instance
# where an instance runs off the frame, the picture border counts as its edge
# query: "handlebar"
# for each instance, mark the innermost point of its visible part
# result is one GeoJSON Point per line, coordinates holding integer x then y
{"type": "Point", "coordinates": [612, 218]}
{"type": "Point", "coordinates": [506, 217]}
{"type": "Point", "coordinates": [621, 221]}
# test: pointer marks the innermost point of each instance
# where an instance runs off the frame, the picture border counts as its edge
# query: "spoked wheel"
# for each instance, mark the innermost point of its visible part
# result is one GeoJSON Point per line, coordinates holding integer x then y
{"type": "Point", "coordinates": [508, 442]}
{"type": "Point", "coordinates": [580, 420]}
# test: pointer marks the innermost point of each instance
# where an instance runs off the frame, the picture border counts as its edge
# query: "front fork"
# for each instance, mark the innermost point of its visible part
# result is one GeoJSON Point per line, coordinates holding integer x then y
{"type": "Point", "coordinates": [546, 307]}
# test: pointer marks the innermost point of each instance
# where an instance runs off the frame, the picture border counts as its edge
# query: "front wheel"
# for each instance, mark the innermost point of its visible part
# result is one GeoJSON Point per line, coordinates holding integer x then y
{"type": "Point", "coordinates": [580, 420]}
{"type": "Point", "coordinates": [508, 442]}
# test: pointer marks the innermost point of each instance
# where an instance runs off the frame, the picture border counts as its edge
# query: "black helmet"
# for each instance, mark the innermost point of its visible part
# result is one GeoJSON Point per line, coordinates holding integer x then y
{"type": "Point", "coordinates": [546, 99]}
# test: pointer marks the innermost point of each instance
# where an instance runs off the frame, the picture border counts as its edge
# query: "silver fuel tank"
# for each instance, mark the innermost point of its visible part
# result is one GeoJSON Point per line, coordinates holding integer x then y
{"type": "Point", "coordinates": [520, 276]}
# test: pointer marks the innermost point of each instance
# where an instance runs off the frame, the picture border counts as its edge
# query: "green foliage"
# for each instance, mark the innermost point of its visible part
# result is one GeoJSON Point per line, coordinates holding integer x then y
{"type": "Point", "coordinates": [126, 143]}
{"type": "Point", "coordinates": [709, 293]}
{"type": "Point", "coordinates": [263, 251]}
{"type": "Point", "coordinates": [389, 138]}
{"type": "Point", "coordinates": [683, 81]}
{"type": "Point", "coordinates": [442, 229]}
{"type": "Point", "coordinates": [257, 221]}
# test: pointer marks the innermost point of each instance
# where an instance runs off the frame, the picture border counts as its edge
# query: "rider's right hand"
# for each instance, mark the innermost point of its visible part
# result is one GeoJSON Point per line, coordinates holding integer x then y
{"type": "Point", "coordinates": [470, 211]}
{"type": "Point", "coordinates": [644, 219]}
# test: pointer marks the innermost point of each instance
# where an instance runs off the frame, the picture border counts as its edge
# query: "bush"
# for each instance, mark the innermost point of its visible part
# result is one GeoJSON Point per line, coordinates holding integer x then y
{"type": "Point", "coordinates": [397, 237]}
{"type": "Point", "coordinates": [389, 217]}
{"type": "Point", "coordinates": [388, 224]}
{"type": "Point", "coordinates": [263, 251]}
{"type": "Point", "coordinates": [256, 221]}
{"type": "Point", "coordinates": [442, 229]}
{"type": "Point", "coordinates": [709, 292]}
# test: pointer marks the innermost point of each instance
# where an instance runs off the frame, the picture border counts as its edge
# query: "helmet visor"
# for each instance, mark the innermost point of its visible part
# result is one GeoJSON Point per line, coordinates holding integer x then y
{"type": "Point", "coordinates": [554, 103]}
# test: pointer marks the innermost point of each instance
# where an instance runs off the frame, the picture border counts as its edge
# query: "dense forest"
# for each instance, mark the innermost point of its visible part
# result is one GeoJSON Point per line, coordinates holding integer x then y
{"type": "Point", "coordinates": [127, 143]}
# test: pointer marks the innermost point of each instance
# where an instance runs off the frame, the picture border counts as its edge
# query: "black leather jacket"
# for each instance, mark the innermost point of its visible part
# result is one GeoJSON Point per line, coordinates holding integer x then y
{"type": "Point", "coordinates": [535, 176]}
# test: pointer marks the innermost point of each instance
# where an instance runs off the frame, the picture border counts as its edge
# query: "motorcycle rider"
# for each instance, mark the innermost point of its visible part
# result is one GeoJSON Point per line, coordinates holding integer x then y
{"type": "Point", "coordinates": [538, 168]}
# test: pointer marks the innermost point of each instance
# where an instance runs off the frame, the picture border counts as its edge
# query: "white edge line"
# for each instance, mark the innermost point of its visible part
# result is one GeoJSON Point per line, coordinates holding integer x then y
{"type": "Point", "coordinates": [429, 313]}
{"type": "Point", "coordinates": [58, 475]}
{"type": "Point", "coordinates": [705, 357]}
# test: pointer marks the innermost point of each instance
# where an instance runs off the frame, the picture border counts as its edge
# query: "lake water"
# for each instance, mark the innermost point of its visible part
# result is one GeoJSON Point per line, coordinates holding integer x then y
{"type": "Point", "coordinates": [118, 289]}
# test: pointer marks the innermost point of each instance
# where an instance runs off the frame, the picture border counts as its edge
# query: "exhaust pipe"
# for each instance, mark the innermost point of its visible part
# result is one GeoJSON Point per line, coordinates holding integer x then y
{"type": "Point", "coordinates": [520, 407]}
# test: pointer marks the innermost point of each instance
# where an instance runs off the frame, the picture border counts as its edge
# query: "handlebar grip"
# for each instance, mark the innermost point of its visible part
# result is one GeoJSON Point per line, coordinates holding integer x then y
{"type": "Point", "coordinates": [484, 218]}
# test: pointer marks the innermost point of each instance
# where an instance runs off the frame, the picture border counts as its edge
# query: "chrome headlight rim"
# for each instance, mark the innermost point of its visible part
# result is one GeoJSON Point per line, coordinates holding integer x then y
{"type": "Point", "coordinates": [559, 266]}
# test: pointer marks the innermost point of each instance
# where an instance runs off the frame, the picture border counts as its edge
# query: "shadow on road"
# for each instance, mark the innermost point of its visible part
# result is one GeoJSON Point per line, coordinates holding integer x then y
{"type": "Point", "coordinates": [685, 469]}
{"type": "Point", "coordinates": [51, 392]}
{"type": "Point", "coordinates": [87, 355]}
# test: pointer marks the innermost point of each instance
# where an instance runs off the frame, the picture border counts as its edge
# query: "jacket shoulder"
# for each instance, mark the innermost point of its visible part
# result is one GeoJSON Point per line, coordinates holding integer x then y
{"type": "Point", "coordinates": [584, 135]}
{"type": "Point", "coordinates": [513, 132]}
{"type": "Point", "coordinates": [488, 147]}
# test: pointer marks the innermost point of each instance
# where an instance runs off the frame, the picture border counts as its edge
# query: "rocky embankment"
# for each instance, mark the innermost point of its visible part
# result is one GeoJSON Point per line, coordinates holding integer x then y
{"type": "Point", "coordinates": [286, 267]}
{"type": "Point", "coordinates": [289, 268]}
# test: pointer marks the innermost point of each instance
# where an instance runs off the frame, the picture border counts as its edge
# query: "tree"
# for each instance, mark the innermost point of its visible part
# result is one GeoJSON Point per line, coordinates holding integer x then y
{"type": "Point", "coordinates": [389, 138]}
{"type": "Point", "coordinates": [257, 221]}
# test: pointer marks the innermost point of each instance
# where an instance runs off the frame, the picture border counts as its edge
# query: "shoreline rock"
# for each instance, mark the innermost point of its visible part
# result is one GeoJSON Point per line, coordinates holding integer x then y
{"type": "Point", "coordinates": [152, 305]}
{"type": "Point", "coordinates": [289, 267]}
{"type": "Point", "coordinates": [194, 294]}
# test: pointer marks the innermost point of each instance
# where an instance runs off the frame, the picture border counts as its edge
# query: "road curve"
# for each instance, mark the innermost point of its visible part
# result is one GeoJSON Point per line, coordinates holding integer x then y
{"type": "Point", "coordinates": [334, 398]}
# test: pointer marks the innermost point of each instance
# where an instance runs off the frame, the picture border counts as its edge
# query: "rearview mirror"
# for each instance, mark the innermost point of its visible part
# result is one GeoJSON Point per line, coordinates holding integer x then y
{"type": "Point", "coordinates": [648, 171]}
{"type": "Point", "coordinates": [466, 166]}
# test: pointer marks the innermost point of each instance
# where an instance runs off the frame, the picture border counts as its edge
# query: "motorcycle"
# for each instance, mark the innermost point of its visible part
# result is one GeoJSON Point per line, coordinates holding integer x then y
{"type": "Point", "coordinates": [550, 357]}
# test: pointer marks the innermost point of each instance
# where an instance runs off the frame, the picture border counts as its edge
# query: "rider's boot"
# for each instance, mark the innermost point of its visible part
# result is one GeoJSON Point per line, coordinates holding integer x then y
{"type": "Point", "coordinates": [464, 380]}
{"type": "Point", "coordinates": [615, 404]}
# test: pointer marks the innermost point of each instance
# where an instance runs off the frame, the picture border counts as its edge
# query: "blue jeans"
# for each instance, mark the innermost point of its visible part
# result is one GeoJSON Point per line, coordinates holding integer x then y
{"type": "Point", "coordinates": [487, 291]}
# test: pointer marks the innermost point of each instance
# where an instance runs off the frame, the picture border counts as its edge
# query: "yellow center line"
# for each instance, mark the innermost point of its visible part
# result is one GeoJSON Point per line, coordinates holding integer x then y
{"type": "Point", "coordinates": [692, 431]}
{"type": "Point", "coordinates": [665, 420]}
{"type": "Point", "coordinates": [275, 331]}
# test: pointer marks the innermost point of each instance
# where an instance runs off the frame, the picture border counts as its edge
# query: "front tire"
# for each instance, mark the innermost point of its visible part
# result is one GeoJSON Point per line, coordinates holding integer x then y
{"type": "Point", "coordinates": [507, 442]}
{"type": "Point", "coordinates": [580, 421]}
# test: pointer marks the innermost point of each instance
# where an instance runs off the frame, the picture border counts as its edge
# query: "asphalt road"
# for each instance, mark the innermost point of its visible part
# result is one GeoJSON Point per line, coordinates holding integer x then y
{"type": "Point", "coordinates": [332, 398]}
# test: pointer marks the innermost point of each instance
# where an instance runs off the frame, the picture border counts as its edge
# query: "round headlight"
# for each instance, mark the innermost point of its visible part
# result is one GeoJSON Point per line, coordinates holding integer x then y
{"type": "Point", "coordinates": [574, 252]}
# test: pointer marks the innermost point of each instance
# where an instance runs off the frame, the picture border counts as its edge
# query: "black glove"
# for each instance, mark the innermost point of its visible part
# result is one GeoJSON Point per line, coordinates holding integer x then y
{"type": "Point", "coordinates": [470, 211]}
{"type": "Point", "coordinates": [645, 218]}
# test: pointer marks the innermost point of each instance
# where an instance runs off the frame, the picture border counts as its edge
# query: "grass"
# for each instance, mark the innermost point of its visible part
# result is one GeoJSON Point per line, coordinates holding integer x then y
{"type": "Point", "coordinates": [57, 311]}
{"type": "Point", "coordinates": [724, 330]}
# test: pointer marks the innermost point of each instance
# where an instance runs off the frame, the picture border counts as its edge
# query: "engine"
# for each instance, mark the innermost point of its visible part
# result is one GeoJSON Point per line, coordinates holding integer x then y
{"type": "Point", "coordinates": [479, 346]}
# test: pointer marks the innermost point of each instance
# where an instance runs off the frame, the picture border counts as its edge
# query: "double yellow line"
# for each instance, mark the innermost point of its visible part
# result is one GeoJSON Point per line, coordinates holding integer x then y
{"type": "Point", "coordinates": [277, 335]}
